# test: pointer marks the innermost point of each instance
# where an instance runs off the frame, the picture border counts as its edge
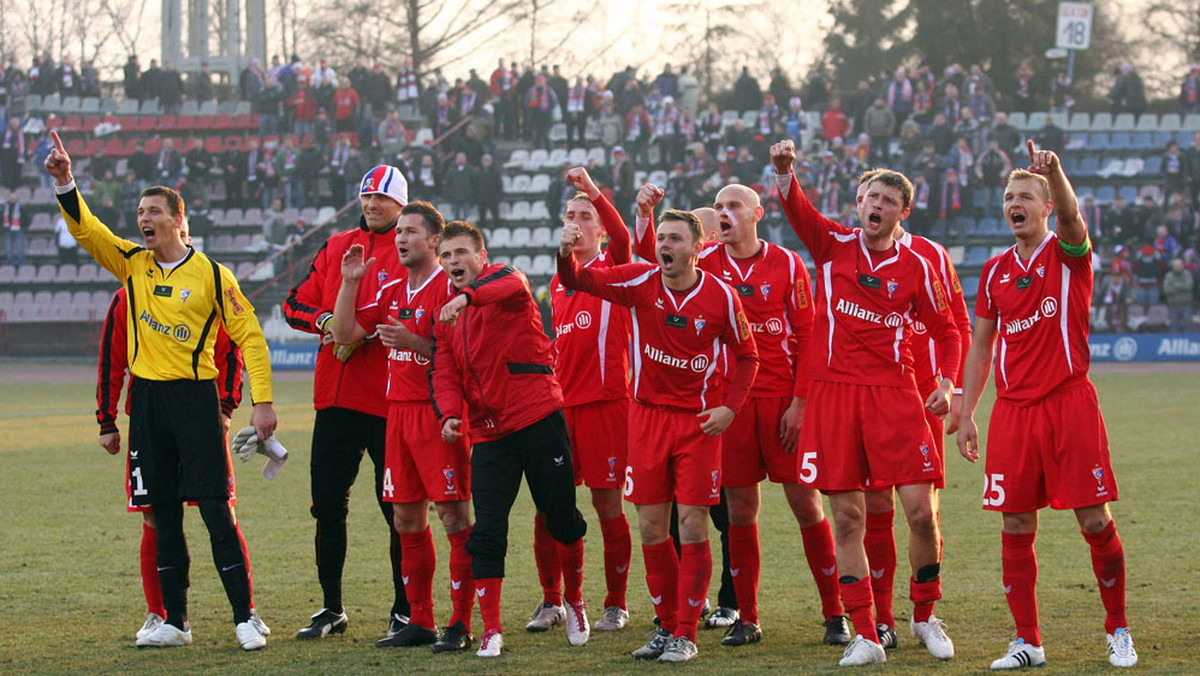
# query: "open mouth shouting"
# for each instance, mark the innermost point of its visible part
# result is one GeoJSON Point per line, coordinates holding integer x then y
{"type": "Point", "coordinates": [875, 219]}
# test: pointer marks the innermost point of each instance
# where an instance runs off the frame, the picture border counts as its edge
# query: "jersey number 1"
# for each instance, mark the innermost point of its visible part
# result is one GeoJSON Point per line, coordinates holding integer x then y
{"type": "Point", "coordinates": [139, 488]}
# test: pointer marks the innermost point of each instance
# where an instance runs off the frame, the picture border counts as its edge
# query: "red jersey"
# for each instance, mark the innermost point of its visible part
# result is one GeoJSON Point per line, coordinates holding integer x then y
{"type": "Point", "coordinates": [495, 360]}
{"type": "Point", "coordinates": [923, 347]}
{"type": "Point", "coordinates": [591, 335]}
{"type": "Point", "coordinates": [1041, 309]}
{"type": "Point", "coordinates": [114, 361]}
{"type": "Point", "coordinates": [866, 301]}
{"type": "Point", "coordinates": [417, 309]}
{"type": "Point", "coordinates": [678, 336]}
{"type": "Point", "coordinates": [775, 291]}
{"type": "Point", "coordinates": [359, 382]}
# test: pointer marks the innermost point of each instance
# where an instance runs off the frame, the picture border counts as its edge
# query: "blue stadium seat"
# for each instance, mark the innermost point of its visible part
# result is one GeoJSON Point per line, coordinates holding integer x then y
{"type": "Point", "coordinates": [970, 286]}
{"type": "Point", "coordinates": [1142, 140]}
{"type": "Point", "coordinates": [938, 229]}
{"type": "Point", "coordinates": [1099, 141]}
{"type": "Point", "coordinates": [991, 226]}
{"type": "Point", "coordinates": [1129, 193]}
{"type": "Point", "coordinates": [1088, 166]}
{"type": "Point", "coordinates": [976, 255]}
{"type": "Point", "coordinates": [1121, 141]}
{"type": "Point", "coordinates": [1162, 138]}
{"type": "Point", "coordinates": [1183, 138]}
{"type": "Point", "coordinates": [1105, 194]}
{"type": "Point", "coordinates": [1153, 166]}
{"type": "Point", "coordinates": [1070, 164]}
{"type": "Point", "coordinates": [965, 225]}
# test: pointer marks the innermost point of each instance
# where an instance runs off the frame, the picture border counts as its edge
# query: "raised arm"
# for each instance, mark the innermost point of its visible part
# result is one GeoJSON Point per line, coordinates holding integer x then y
{"type": "Point", "coordinates": [344, 325]}
{"type": "Point", "coordinates": [619, 242]}
{"type": "Point", "coordinates": [1070, 226]}
{"type": "Point", "coordinates": [810, 226]}
{"type": "Point", "coordinates": [648, 198]}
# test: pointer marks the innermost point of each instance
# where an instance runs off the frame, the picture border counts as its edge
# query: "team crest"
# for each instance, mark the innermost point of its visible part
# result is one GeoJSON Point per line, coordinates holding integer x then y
{"type": "Point", "coordinates": [382, 276]}
{"type": "Point", "coordinates": [716, 477]}
{"type": "Point", "coordinates": [699, 325]}
{"type": "Point", "coordinates": [766, 290]}
{"type": "Point", "coordinates": [1041, 270]}
{"type": "Point", "coordinates": [925, 455]}
{"type": "Point", "coordinates": [449, 474]}
{"type": "Point", "coordinates": [892, 285]}
{"type": "Point", "coordinates": [1098, 472]}
{"type": "Point", "coordinates": [420, 312]}
{"type": "Point", "coordinates": [368, 184]}
{"type": "Point", "coordinates": [612, 467]}
{"type": "Point", "coordinates": [183, 295]}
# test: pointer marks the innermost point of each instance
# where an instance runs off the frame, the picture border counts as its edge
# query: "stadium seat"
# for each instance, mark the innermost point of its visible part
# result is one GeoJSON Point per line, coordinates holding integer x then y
{"type": "Point", "coordinates": [89, 105]}
{"type": "Point", "coordinates": [520, 238]}
{"type": "Point", "coordinates": [46, 274]}
{"type": "Point", "coordinates": [558, 132]}
{"type": "Point", "coordinates": [1147, 122]}
{"type": "Point", "coordinates": [540, 184]}
{"type": "Point", "coordinates": [537, 159]}
{"type": "Point", "coordinates": [33, 102]}
{"type": "Point", "coordinates": [8, 274]}
{"type": "Point", "coordinates": [1036, 121]}
{"type": "Point", "coordinates": [1102, 122]}
{"type": "Point", "coordinates": [1124, 122]}
{"type": "Point", "coordinates": [90, 122]}
{"type": "Point", "coordinates": [976, 255]}
{"type": "Point", "coordinates": [1079, 122]}
{"type": "Point", "coordinates": [223, 122]}
{"type": "Point", "coordinates": [1088, 166]}
{"type": "Point", "coordinates": [998, 249]}
{"type": "Point", "coordinates": [538, 212]}
{"type": "Point", "coordinates": [520, 183]}
{"type": "Point", "coordinates": [150, 107]}
{"type": "Point", "coordinates": [76, 147]}
{"type": "Point", "coordinates": [1018, 120]}
{"type": "Point", "coordinates": [965, 225]}
{"type": "Point", "coordinates": [67, 274]}
{"type": "Point", "coordinates": [52, 103]}
{"type": "Point", "coordinates": [556, 159]}
{"type": "Point", "coordinates": [501, 236]}
{"type": "Point", "coordinates": [1121, 141]}
{"type": "Point", "coordinates": [541, 238]}
{"type": "Point", "coordinates": [597, 155]}
{"type": "Point", "coordinates": [1170, 122]}
{"type": "Point", "coordinates": [1129, 193]}
{"type": "Point", "coordinates": [88, 273]}
{"type": "Point", "coordinates": [185, 122]}
{"type": "Point", "coordinates": [1133, 166]}
{"type": "Point", "coordinates": [543, 265]}
{"type": "Point", "coordinates": [577, 157]}
{"type": "Point", "coordinates": [519, 158]}
{"type": "Point", "coordinates": [1158, 318]}
{"type": "Point", "coordinates": [109, 106]}
{"type": "Point", "coordinates": [204, 122]}
{"type": "Point", "coordinates": [208, 107]}
{"type": "Point", "coordinates": [523, 263]}
{"type": "Point", "coordinates": [957, 253]}
{"type": "Point", "coordinates": [1142, 140]}
{"type": "Point", "coordinates": [970, 286]}
{"type": "Point", "coordinates": [1112, 166]}
{"type": "Point", "coordinates": [728, 118]}
{"type": "Point", "coordinates": [243, 108]}
{"type": "Point", "coordinates": [1105, 194]}
{"type": "Point", "coordinates": [1099, 140]}
{"type": "Point", "coordinates": [128, 107]}
{"type": "Point", "coordinates": [1153, 166]}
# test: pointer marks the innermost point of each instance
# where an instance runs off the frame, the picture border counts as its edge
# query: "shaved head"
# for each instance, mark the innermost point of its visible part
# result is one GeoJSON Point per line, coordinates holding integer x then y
{"type": "Point", "coordinates": [710, 223]}
{"type": "Point", "coordinates": [740, 192]}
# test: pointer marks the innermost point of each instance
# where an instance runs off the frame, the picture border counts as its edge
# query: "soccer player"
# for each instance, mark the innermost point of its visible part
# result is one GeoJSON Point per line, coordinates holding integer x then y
{"type": "Point", "coordinates": [419, 467]}
{"type": "Point", "coordinates": [683, 318]}
{"type": "Point", "coordinates": [863, 426]}
{"type": "Point", "coordinates": [111, 379]}
{"type": "Point", "coordinates": [1046, 440]}
{"type": "Point", "coordinates": [775, 289]}
{"type": "Point", "coordinates": [591, 361]}
{"type": "Point", "coordinates": [493, 374]}
{"type": "Point", "coordinates": [350, 395]}
{"type": "Point", "coordinates": [880, 538]}
{"type": "Point", "coordinates": [177, 298]}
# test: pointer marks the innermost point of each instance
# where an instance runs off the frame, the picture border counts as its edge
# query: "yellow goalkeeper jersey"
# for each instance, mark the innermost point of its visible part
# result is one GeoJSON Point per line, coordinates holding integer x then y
{"type": "Point", "coordinates": [173, 314]}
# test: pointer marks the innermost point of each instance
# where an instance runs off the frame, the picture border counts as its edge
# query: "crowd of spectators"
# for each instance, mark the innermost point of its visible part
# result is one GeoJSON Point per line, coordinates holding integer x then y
{"type": "Point", "coordinates": [320, 128]}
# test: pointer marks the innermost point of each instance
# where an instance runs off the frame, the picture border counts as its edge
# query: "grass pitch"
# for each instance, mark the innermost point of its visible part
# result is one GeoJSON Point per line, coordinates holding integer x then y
{"type": "Point", "coordinates": [72, 601]}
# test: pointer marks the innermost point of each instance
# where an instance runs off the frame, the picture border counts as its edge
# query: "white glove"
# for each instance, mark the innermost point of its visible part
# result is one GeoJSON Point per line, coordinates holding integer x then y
{"type": "Point", "coordinates": [245, 443]}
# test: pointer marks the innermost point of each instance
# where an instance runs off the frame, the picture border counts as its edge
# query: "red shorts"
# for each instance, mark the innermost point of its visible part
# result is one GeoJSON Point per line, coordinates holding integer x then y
{"type": "Point", "coordinates": [671, 458]}
{"type": "Point", "coordinates": [750, 447]}
{"type": "Point", "coordinates": [1054, 453]}
{"type": "Point", "coordinates": [130, 507]}
{"type": "Point", "coordinates": [599, 442]}
{"type": "Point", "coordinates": [860, 437]}
{"type": "Point", "coordinates": [417, 464]}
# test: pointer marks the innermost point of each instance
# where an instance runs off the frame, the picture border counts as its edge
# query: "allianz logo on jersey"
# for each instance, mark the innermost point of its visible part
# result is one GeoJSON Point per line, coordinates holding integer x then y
{"type": "Point", "coordinates": [1047, 309]}
{"type": "Point", "coordinates": [583, 320]}
{"type": "Point", "coordinates": [181, 332]}
{"type": "Point", "coordinates": [408, 356]}
{"type": "Point", "coordinates": [697, 364]}
{"type": "Point", "coordinates": [893, 320]}
{"type": "Point", "coordinates": [773, 326]}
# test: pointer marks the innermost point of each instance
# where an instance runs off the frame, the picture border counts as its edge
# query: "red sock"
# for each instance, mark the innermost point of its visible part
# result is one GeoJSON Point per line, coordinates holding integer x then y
{"type": "Point", "coordinates": [488, 591]}
{"type": "Point", "coordinates": [856, 597]}
{"type": "Point", "coordinates": [695, 571]}
{"type": "Point", "coordinates": [462, 596]}
{"type": "Point", "coordinates": [545, 553]}
{"type": "Point", "coordinates": [1019, 562]}
{"type": "Point", "coordinates": [924, 595]}
{"type": "Point", "coordinates": [570, 559]}
{"type": "Point", "coordinates": [822, 561]}
{"type": "Point", "coordinates": [618, 550]}
{"type": "Point", "coordinates": [662, 581]}
{"type": "Point", "coordinates": [417, 563]}
{"type": "Point", "coordinates": [1108, 562]}
{"type": "Point", "coordinates": [744, 563]}
{"type": "Point", "coordinates": [246, 554]}
{"type": "Point", "coordinates": [148, 557]}
{"type": "Point", "coordinates": [880, 542]}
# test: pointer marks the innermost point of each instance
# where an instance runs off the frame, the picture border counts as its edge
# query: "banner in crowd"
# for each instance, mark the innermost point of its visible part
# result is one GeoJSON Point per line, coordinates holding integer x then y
{"type": "Point", "coordinates": [1116, 347]}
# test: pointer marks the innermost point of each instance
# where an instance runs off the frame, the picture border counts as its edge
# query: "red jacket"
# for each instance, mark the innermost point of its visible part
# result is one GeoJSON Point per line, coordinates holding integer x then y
{"type": "Point", "coordinates": [495, 360]}
{"type": "Point", "coordinates": [359, 383]}
{"type": "Point", "coordinates": [114, 360]}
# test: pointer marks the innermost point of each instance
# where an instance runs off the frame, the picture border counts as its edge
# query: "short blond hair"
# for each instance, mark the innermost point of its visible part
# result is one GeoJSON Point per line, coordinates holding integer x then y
{"type": "Point", "coordinates": [1023, 175]}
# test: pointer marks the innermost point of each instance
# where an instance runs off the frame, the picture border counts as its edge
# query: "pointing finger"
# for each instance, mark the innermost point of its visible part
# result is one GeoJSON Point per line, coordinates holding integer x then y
{"type": "Point", "coordinates": [58, 144]}
{"type": "Point", "coordinates": [1029, 146]}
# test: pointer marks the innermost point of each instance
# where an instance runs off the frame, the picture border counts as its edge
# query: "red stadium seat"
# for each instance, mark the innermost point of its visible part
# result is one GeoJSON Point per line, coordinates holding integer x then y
{"type": "Point", "coordinates": [114, 147]}
{"type": "Point", "coordinates": [152, 145]}
{"type": "Point", "coordinates": [129, 123]}
{"type": "Point", "coordinates": [204, 122]}
{"type": "Point", "coordinates": [54, 122]}
{"type": "Point", "coordinates": [185, 122]}
{"type": "Point", "coordinates": [186, 144]}
{"type": "Point", "coordinates": [166, 122]}
{"type": "Point", "coordinates": [234, 143]}
{"type": "Point", "coordinates": [76, 147]}
{"type": "Point", "coordinates": [90, 123]}
{"type": "Point", "coordinates": [223, 122]}
{"type": "Point", "coordinates": [214, 145]}
{"type": "Point", "coordinates": [72, 123]}
{"type": "Point", "coordinates": [94, 145]}
{"type": "Point", "coordinates": [147, 122]}
{"type": "Point", "coordinates": [244, 121]}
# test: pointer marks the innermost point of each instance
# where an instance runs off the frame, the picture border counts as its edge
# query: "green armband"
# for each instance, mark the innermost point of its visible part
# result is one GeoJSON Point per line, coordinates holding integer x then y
{"type": "Point", "coordinates": [1076, 250]}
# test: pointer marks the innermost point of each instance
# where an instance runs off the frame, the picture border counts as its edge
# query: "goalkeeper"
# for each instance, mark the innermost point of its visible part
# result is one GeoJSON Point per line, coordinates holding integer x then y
{"type": "Point", "coordinates": [349, 394]}
{"type": "Point", "coordinates": [113, 364]}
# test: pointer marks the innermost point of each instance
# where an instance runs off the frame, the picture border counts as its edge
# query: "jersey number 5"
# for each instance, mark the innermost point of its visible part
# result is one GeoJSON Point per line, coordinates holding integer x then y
{"type": "Point", "coordinates": [993, 492]}
{"type": "Point", "coordinates": [808, 469]}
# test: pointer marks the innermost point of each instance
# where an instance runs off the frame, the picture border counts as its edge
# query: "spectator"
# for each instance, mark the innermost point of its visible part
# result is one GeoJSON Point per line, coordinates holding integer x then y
{"type": "Point", "coordinates": [1116, 293]}
{"type": "Point", "coordinates": [170, 89]}
{"type": "Point", "coordinates": [622, 182]}
{"type": "Point", "coordinates": [251, 81]}
{"type": "Point", "coordinates": [345, 103]}
{"type": "Point", "coordinates": [287, 170]}
{"type": "Point", "coordinates": [1174, 169]}
{"type": "Point", "coordinates": [540, 102]}
{"type": "Point", "coordinates": [1189, 91]}
{"type": "Point", "coordinates": [991, 174]}
{"type": "Point", "coordinates": [1008, 136]}
{"type": "Point", "coordinates": [1051, 137]}
{"type": "Point", "coordinates": [969, 128]}
{"type": "Point", "coordinates": [14, 221]}
{"type": "Point", "coordinates": [1166, 243]}
{"type": "Point", "coordinates": [898, 95]}
{"type": "Point", "coordinates": [667, 132]}
{"type": "Point", "coordinates": [1025, 90]}
{"type": "Point", "coordinates": [301, 107]}
{"type": "Point", "coordinates": [133, 74]}
{"type": "Point", "coordinates": [578, 108]}
{"type": "Point", "coordinates": [392, 136]}
{"type": "Point", "coordinates": [689, 93]}
{"type": "Point", "coordinates": [425, 183]}
{"type": "Point", "coordinates": [151, 82]}
{"type": "Point", "coordinates": [638, 129]}
{"type": "Point", "coordinates": [168, 163]}
{"type": "Point", "coordinates": [921, 217]}
{"type": "Point", "coordinates": [667, 82]}
{"type": "Point", "coordinates": [458, 183]}
{"type": "Point", "coordinates": [1128, 94]}
{"type": "Point", "coordinates": [488, 188]}
{"type": "Point", "coordinates": [1178, 284]}
{"type": "Point", "coordinates": [269, 106]}
{"type": "Point", "coordinates": [343, 175]}
{"type": "Point", "coordinates": [376, 91]}
{"type": "Point", "coordinates": [68, 248]}
{"type": "Point", "coordinates": [1094, 217]}
{"type": "Point", "coordinates": [747, 95]}
{"type": "Point", "coordinates": [1148, 269]}
{"type": "Point", "coordinates": [106, 209]}
{"type": "Point", "coordinates": [879, 123]}
{"type": "Point", "coordinates": [12, 154]}
{"type": "Point", "coordinates": [200, 87]}
{"type": "Point", "coordinates": [1061, 100]}
{"type": "Point", "coordinates": [1119, 220]}
{"type": "Point", "coordinates": [816, 92]}
{"type": "Point", "coordinates": [859, 103]}
{"type": "Point", "coordinates": [275, 228]}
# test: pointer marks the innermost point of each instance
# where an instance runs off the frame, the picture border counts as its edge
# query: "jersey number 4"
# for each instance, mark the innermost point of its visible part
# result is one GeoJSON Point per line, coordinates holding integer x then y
{"type": "Point", "coordinates": [993, 492]}
{"type": "Point", "coordinates": [388, 487]}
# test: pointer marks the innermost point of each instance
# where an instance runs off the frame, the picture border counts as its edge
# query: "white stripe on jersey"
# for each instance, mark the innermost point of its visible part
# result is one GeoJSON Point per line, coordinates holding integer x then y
{"type": "Point", "coordinates": [826, 269]}
{"type": "Point", "coordinates": [1063, 312]}
{"type": "Point", "coordinates": [637, 351]}
{"type": "Point", "coordinates": [987, 286]}
{"type": "Point", "coordinates": [379, 293]}
{"type": "Point", "coordinates": [636, 280]}
{"type": "Point", "coordinates": [602, 336]}
{"type": "Point", "coordinates": [708, 373]}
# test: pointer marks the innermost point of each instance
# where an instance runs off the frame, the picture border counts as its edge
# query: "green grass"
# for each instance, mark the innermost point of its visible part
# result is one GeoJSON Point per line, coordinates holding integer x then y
{"type": "Point", "coordinates": [71, 597]}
